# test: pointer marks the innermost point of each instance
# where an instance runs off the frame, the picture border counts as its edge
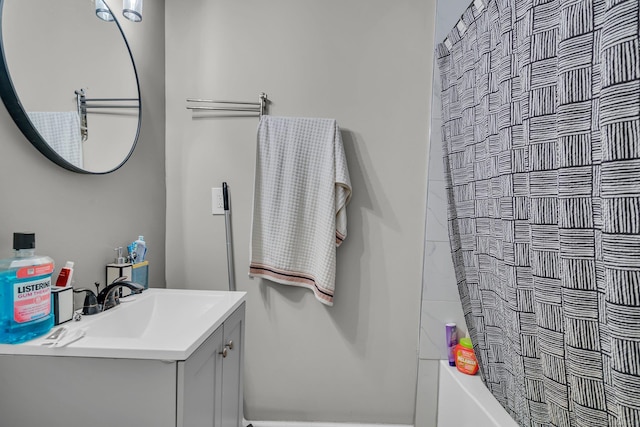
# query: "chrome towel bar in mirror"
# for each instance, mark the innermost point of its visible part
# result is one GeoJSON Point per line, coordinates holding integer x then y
{"type": "Point", "coordinates": [83, 103]}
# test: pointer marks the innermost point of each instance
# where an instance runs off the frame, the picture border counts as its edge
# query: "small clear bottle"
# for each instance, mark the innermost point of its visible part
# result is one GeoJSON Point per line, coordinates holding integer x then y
{"type": "Point", "coordinates": [26, 309]}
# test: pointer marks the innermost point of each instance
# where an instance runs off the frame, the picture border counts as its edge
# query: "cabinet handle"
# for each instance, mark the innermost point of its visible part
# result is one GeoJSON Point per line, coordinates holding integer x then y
{"type": "Point", "coordinates": [223, 352]}
{"type": "Point", "coordinates": [230, 345]}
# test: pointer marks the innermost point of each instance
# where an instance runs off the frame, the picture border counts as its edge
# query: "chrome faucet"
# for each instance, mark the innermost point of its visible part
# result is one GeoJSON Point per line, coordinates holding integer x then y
{"type": "Point", "coordinates": [106, 298]}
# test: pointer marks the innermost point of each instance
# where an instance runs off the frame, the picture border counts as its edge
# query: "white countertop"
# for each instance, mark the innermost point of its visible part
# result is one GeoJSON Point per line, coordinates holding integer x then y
{"type": "Point", "coordinates": [161, 324]}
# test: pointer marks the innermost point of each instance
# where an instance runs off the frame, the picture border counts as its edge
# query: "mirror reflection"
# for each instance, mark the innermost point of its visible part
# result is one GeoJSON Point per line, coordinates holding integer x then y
{"type": "Point", "coordinates": [75, 80]}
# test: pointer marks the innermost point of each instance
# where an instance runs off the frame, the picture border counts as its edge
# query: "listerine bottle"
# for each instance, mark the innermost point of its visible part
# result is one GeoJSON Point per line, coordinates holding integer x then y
{"type": "Point", "coordinates": [26, 310]}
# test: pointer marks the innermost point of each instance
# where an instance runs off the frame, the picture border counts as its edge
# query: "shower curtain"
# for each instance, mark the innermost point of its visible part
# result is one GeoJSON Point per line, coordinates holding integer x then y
{"type": "Point", "coordinates": [541, 133]}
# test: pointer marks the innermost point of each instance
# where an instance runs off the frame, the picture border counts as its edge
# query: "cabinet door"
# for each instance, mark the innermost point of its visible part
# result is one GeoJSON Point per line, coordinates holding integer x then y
{"type": "Point", "coordinates": [54, 391]}
{"type": "Point", "coordinates": [199, 380]}
{"type": "Point", "coordinates": [232, 367]}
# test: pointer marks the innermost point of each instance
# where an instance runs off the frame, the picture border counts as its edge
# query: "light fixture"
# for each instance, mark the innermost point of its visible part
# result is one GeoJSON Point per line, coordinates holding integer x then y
{"type": "Point", "coordinates": [103, 12]}
{"type": "Point", "coordinates": [132, 10]}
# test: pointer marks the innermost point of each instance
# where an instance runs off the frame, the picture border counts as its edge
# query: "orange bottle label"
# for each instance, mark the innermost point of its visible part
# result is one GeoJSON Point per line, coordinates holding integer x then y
{"type": "Point", "coordinates": [466, 361]}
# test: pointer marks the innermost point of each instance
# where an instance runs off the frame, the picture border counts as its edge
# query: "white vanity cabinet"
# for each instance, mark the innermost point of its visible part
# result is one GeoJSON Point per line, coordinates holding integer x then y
{"type": "Point", "coordinates": [232, 370]}
{"type": "Point", "coordinates": [209, 386]}
{"type": "Point", "coordinates": [61, 390]}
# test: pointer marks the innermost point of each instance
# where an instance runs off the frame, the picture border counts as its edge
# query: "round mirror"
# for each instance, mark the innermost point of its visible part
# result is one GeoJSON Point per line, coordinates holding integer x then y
{"type": "Point", "coordinates": [69, 81]}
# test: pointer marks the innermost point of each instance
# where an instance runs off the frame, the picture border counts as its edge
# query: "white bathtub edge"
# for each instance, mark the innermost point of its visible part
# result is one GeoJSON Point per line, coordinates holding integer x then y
{"type": "Point", "coordinates": [478, 394]}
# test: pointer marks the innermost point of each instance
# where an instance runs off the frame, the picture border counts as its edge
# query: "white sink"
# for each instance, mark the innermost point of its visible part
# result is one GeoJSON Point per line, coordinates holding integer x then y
{"type": "Point", "coordinates": [153, 315]}
{"type": "Point", "coordinates": [157, 324]}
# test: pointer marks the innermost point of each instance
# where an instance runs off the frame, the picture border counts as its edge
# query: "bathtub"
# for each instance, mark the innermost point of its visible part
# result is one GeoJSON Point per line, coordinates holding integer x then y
{"type": "Point", "coordinates": [463, 401]}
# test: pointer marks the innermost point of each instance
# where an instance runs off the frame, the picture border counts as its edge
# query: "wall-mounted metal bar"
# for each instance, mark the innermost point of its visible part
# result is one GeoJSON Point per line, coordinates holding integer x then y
{"type": "Point", "coordinates": [83, 103]}
{"type": "Point", "coordinates": [111, 106]}
{"type": "Point", "coordinates": [259, 107]}
{"type": "Point", "coordinates": [135, 100]}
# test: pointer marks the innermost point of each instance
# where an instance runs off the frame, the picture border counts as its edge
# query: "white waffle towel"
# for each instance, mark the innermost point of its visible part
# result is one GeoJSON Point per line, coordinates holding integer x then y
{"type": "Point", "coordinates": [61, 130]}
{"type": "Point", "coordinates": [301, 191]}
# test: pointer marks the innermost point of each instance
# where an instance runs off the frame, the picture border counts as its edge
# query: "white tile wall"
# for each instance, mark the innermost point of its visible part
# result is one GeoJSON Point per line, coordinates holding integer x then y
{"type": "Point", "coordinates": [436, 212]}
{"type": "Point", "coordinates": [435, 314]}
{"type": "Point", "coordinates": [436, 168]}
{"type": "Point", "coordinates": [440, 299]}
{"type": "Point", "coordinates": [427, 395]}
{"type": "Point", "coordinates": [439, 280]}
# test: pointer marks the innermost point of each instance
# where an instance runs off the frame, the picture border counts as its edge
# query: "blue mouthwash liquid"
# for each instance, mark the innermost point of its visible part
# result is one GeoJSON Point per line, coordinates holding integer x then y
{"type": "Point", "coordinates": [26, 309]}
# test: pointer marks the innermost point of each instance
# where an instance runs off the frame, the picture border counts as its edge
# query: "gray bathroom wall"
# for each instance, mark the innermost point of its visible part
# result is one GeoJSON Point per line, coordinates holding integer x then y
{"type": "Point", "coordinates": [82, 218]}
{"type": "Point", "coordinates": [440, 298]}
{"type": "Point", "coordinates": [368, 64]}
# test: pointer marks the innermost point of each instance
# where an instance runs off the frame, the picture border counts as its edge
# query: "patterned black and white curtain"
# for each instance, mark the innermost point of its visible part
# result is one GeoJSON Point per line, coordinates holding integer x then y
{"type": "Point", "coordinates": [541, 129]}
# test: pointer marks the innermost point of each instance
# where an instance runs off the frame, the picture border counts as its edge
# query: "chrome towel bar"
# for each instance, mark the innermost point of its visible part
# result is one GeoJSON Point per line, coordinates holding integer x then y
{"type": "Point", "coordinates": [259, 107]}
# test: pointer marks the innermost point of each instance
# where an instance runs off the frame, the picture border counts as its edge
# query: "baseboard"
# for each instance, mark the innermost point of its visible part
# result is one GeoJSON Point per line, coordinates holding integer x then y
{"type": "Point", "coordinates": [317, 424]}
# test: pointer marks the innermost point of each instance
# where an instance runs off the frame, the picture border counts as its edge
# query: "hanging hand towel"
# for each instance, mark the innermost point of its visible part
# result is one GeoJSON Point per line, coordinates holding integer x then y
{"type": "Point", "coordinates": [301, 191]}
{"type": "Point", "coordinates": [61, 130]}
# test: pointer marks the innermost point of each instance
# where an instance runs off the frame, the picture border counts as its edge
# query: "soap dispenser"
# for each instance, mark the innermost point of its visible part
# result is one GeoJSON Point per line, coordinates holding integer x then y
{"type": "Point", "coordinates": [119, 267]}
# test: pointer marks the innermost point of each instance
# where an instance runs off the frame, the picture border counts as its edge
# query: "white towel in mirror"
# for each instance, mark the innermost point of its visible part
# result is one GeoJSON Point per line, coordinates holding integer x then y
{"type": "Point", "coordinates": [61, 130]}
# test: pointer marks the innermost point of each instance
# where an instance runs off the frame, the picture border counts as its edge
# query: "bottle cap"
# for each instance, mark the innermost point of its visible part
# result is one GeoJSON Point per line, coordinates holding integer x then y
{"type": "Point", "coordinates": [466, 342]}
{"type": "Point", "coordinates": [24, 241]}
{"type": "Point", "coordinates": [69, 264]}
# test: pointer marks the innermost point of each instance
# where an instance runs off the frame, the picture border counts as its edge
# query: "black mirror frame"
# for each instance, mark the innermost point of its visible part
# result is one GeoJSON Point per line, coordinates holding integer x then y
{"type": "Point", "coordinates": [18, 113]}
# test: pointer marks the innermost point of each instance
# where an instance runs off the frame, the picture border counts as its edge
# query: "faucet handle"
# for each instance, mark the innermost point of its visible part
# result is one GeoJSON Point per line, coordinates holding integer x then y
{"type": "Point", "coordinates": [90, 305]}
{"type": "Point", "coordinates": [111, 300]}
